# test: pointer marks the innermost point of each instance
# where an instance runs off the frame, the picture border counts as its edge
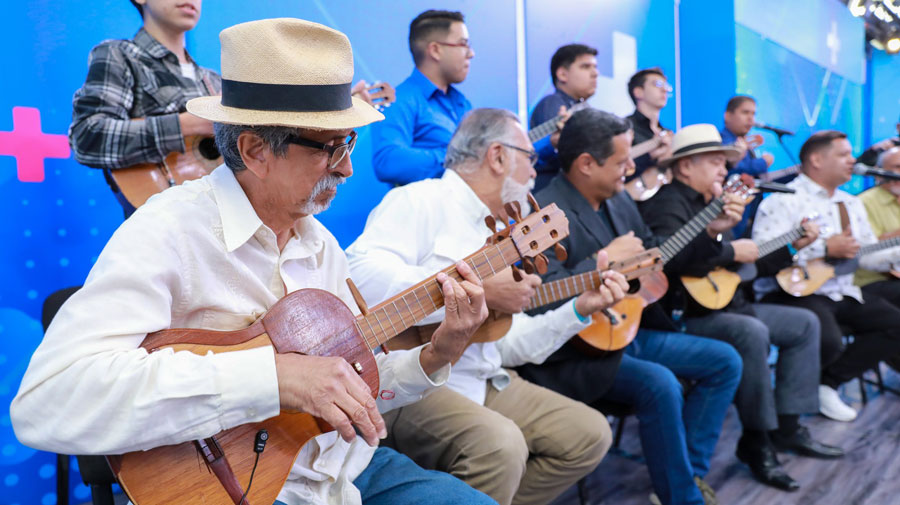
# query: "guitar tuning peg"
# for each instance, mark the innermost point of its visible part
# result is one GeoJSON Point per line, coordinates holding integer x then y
{"type": "Point", "coordinates": [531, 201]}
{"type": "Point", "coordinates": [560, 252]}
{"type": "Point", "coordinates": [540, 264]}
{"type": "Point", "coordinates": [528, 265]}
{"type": "Point", "coordinates": [510, 211]}
{"type": "Point", "coordinates": [518, 207]}
{"type": "Point", "coordinates": [491, 223]}
{"type": "Point", "coordinates": [517, 275]}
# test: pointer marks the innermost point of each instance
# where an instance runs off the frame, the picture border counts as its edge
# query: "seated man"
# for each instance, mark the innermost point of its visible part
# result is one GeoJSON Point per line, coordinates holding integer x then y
{"type": "Point", "coordinates": [870, 155]}
{"type": "Point", "coordinates": [826, 160]}
{"type": "Point", "coordinates": [515, 441]}
{"type": "Point", "coordinates": [410, 144]}
{"type": "Point", "coordinates": [573, 70]}
{"type": "Point", "coordinates": [678, 434]}
{"type": "Point", "coordinates": [768, 417]}
{"type": "Point", "coordinates": [217, 253]}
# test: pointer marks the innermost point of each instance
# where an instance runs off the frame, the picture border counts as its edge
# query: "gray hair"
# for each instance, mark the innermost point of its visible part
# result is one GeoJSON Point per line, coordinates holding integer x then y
{"type": "Point", "coordinates": [227, 137]}
{"type": "Point", "coordinates": [886, 154]}
{"type": "Point", "coordinates": [478, 130]}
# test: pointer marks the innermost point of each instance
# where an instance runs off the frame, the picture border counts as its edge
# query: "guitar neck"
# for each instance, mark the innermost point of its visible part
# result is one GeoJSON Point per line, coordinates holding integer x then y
{"type": "Point", "coordinates": [878, 246]}
{"type": "Point", "coordinates": [562, 289]}
{"type": "Point", "coordinates": [778, 174]}
{"type": "Point", "coordinates": [770, 246]}
{"type": "Point", "coordinates": [396, 314]}
{"type": "Point", "coordinates": [644, 147]}
{"type": "Point", "coordinates": [542, 130]}
{"type": "Point", "coordinates": [674, 244]}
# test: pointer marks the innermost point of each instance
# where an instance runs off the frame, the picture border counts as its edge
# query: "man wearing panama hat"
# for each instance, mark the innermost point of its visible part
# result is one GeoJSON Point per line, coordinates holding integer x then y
{"type": "Point", "coordinates": [217, 253]}
{"type": "Point", "coordinates": [770, 416]}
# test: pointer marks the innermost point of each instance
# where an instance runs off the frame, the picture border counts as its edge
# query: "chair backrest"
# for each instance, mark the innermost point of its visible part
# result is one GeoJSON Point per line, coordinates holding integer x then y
{"type": "Point", "coordinates": [94, 470]}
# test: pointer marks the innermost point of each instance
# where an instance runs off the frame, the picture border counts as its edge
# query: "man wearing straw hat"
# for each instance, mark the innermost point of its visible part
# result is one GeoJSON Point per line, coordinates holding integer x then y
{"type": "Point", "coordinates": [217, 253]}
{"type": "Point", "coordinates": [770, 416]}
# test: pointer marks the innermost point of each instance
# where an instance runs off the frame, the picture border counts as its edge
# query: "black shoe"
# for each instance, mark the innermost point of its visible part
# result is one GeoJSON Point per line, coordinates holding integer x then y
{"type": "Point", "coordinates": [765, 466]}
{"type": "Point", "coordinates": [803, 444]}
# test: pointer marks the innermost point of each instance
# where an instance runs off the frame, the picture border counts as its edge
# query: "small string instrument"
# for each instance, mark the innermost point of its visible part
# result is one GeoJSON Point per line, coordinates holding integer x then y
{"type": "Point", "coordinates": [646, 185]}
{"type": "Point", "coordinates": [139, 182]}
{"type": "Point", "coordinates": [306, 321]}
{"type": "Point", "coordinates": [552, 125]}
{"type": "Point", "coordinates": [804, 280]}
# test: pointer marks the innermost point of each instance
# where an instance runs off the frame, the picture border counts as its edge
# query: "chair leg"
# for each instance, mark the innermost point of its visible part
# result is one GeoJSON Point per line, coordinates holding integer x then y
{"type": "Point", "coordinates": [62, 479]}
{"type": "Point", "coordinates": [101, 494]}
{"type": "Point", "coordinates": [862, 390]}
{"type": "Point", "coordinates": [582, 491]}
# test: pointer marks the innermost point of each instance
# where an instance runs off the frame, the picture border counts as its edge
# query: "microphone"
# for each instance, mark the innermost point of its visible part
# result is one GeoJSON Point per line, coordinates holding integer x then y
{"type": "Point", "coordinates": [772, 187]}
{"type": "Point", "coordinates": [774, 129]}
{"type": "Point", "coordinates": [860, 169]}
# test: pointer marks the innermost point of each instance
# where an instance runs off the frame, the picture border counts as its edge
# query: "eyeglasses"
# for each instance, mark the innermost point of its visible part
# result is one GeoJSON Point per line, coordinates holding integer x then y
{"type": "Point", "coordinates": [662, 84]}
{"type": "Point", "coordinates": [336, 152]}
{"type": "Point", "coordinates": [532, 155]}
{"type": "Point", "coordinates": [465, 44]}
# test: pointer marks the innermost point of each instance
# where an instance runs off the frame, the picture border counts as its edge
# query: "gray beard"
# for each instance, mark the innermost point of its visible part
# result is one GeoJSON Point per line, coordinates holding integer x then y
{"type": "Point", "coordinates": [327, 182]}
{"type": "Point", "coordinates": [512, 191]}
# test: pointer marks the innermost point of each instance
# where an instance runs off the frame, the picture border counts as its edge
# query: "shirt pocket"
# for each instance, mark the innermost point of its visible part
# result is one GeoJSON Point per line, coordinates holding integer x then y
{"type": "Point", "coordinates": [162, 92]}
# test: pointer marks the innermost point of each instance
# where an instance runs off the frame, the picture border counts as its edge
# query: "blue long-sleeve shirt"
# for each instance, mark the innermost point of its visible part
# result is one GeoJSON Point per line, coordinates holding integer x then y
{"type": "Point", "coordinates": [411, 143]}
{"type": "Point", "coordinates": [750, 164]}
{"type": "Point", "coordinates": [548, 161]}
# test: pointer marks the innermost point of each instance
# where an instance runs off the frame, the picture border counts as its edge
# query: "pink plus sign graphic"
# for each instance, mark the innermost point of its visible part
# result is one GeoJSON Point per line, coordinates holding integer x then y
{"type": "Point", "coordinates": [30, 146]}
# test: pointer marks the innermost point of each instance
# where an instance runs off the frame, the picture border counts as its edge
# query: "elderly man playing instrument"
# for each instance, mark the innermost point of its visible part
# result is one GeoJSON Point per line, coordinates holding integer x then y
{"type": "Point", "coordinates": [218, 253]}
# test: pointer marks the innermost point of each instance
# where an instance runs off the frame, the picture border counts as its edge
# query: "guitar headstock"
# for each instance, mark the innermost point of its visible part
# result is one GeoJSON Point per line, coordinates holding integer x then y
{"type": "Point", "coordinates": [533, 234]}
{"type": "Point", "coordinates": [741, 185]}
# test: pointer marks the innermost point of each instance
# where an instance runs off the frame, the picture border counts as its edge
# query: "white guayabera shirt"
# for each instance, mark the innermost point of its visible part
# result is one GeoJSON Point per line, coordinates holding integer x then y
{"type": "Point", "coordinates": [424, 227]}
{"type": "Point", "coordinates": [195, 256]}
{"type": "Point", "coordinates": [781, 212]}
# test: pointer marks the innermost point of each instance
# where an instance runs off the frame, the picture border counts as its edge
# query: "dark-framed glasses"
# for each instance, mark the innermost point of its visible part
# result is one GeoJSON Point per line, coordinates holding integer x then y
{"type": "Point", "coordinates": [336, 152]}
{"type": "Point", "coordinates": [532, 154]}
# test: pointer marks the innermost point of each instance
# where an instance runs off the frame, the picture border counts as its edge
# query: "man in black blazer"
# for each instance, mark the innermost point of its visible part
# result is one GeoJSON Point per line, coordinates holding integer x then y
{"type": "Point", "coordinates": [678, 434]}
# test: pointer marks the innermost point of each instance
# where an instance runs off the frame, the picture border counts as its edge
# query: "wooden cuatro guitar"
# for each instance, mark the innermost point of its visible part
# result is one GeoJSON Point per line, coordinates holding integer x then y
{"type": "Point", "coordinates": [312, 322]}
{"type": "Point", "coordinates": [716, 289]}
{"type": "Point", "coordinates": [803, 280]}
{"type": "Point", "coordinates": [551, 125]}
{"type": "Point", "coordinates": [646, 185]}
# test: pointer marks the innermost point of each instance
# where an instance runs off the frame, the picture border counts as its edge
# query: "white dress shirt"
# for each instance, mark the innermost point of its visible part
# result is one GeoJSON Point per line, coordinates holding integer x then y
{"type": "Point", "coordinates": [421, 228]}
{"type": "Point", "coordinates": [780, 212]}
{"type": "Point", "coordinates": [194, 256]}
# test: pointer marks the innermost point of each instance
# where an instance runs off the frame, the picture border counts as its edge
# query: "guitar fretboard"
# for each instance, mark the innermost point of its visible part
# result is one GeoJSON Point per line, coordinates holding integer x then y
{"type": "Point", "coordinates": [878, 246]}
{"type": "Point", "coordinates": [391, 317]}
{"type": "Point", "coordinates": [778, 174]}
{"type": "Point", "coordinates": [778, 242]}
{"type": "Point", "coordinates": [549, 126]}
{"type": "Point", "coordinates": [674, 244]}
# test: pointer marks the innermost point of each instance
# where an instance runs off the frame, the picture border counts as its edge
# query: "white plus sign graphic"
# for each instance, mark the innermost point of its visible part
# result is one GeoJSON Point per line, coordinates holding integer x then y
{"type": "Point", "coordinates": [612, 92]}
{"type": "Point", "coordinates": [833, 42]}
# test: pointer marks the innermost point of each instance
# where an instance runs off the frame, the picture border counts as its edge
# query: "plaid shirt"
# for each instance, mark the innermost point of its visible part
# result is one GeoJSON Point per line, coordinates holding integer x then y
{"type": "Point", "coordinates": [129, 79]}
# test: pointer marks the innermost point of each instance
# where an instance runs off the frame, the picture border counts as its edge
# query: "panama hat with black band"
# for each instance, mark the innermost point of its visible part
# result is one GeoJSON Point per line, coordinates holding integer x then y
{"type": "Point", "coordinates": [696, 139]}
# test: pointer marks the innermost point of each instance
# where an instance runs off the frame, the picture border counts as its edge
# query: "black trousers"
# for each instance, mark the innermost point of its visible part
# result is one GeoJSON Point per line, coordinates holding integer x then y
{"type": "Point", "coordinates": [875, 326]}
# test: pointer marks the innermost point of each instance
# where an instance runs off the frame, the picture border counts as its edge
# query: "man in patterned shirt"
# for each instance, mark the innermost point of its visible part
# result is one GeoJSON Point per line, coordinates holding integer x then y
{"type": "Point", "coordinates": [131, 108]}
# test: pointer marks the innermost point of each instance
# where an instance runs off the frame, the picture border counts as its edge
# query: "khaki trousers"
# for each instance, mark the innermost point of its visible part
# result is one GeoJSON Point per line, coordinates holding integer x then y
{"type": "Point", "coordinates": [526, 445]}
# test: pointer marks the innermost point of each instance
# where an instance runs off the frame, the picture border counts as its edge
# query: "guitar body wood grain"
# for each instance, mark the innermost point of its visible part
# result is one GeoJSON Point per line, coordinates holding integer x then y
{"type": "Point", "coordinates": [803, 281]}
{"type": "Point", "coordinates": [138, 183]}
{"type": "Point", "coordinates": [715, 290]}
{"type": "Point", "coordinates": [308, 321]}
{"type": "Point", "coordinates": [495, 327]}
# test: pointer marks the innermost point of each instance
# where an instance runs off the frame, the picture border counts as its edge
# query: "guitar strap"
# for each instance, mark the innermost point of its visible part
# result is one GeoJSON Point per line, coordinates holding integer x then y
{"type": "Point", "coordinates": [845, 216]}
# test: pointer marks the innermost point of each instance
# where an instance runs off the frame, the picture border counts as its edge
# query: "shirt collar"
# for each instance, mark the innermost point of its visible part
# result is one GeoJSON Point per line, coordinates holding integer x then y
{"type": "Point", "coordinates": [638, 118]}
{"type": "Point", "coordinates": [883, 196]}
{"type": "Point", "coordinates": [472, 207]}
{"type": "Point", "coordinates": [425, 86]}
{"type": "Point", "coordinates": [240, 221]}
{"type": "Point", "coordinates": [153, 47]}
{"type": "Point", "coordinates": [688, 192]}
{"type": "Point", "coordinates": [568, 100]}
{"type": "Point", "coordinates": [806, 184]}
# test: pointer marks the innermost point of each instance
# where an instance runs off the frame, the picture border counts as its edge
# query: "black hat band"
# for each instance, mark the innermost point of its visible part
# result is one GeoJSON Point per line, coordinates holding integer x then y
{"type": "Point", "coordinates": [286, 97]}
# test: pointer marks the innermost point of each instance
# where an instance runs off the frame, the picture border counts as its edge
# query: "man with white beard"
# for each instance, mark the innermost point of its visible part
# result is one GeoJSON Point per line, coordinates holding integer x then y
{"type": "Point", "coordinates": [515, 441]}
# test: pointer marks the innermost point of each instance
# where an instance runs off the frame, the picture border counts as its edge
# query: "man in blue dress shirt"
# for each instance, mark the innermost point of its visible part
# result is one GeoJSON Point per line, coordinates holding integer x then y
{"type": "Point", "coordinates": [740, 116]}
{"type": "Point", "coordinates": [573, 69]}
{"type": "Point", "coordinates": [410, 144]}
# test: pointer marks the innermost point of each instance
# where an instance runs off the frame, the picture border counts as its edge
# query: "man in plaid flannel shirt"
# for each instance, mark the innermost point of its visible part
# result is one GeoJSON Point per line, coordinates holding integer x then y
{"type": "Point", "coordinates": [131, 108]}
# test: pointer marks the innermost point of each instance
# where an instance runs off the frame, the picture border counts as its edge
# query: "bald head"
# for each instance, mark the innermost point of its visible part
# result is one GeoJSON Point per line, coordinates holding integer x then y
{"type": "Point", "coordinates": [890, 159]}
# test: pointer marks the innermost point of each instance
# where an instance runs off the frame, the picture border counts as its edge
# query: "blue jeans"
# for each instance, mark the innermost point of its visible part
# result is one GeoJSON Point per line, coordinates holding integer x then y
{"type": "Point", "coordinates": [678, 433]}
{"type": "Point", "coordinates": [393, 479]}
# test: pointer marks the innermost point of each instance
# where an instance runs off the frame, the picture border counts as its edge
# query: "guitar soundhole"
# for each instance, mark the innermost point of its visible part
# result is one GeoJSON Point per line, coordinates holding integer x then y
{"type": "Point", "coordinates": [634, 286]}
{"type": "Point", "coordinates": [207, 148]}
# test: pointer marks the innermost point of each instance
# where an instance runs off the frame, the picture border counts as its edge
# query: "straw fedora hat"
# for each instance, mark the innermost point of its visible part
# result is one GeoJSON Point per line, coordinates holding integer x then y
{"type": "Point", "coordinates": [696, 139]}
{"type": "Point", "coordinates": [286, 72]}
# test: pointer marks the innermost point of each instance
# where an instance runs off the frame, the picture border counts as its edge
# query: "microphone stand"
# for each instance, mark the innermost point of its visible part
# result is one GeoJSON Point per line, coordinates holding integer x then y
{"type": "Point", "coordinates": [786, 150]}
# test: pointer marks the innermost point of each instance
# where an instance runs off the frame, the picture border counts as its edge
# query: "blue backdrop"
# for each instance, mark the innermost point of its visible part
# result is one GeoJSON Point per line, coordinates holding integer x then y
{"type": "Point", "coordinates": [60, 214]}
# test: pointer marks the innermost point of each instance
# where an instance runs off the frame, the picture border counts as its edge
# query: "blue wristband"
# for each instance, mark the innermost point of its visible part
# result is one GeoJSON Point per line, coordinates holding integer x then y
{"type": "Point", "coordinates": [792, 250]}
{"type": "Point", "coordinates": [581, 318]}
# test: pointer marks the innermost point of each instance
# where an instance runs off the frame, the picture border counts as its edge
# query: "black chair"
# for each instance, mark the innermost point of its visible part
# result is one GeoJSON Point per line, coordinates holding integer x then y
{"type": "Point", "coordinates": [94, 470]}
